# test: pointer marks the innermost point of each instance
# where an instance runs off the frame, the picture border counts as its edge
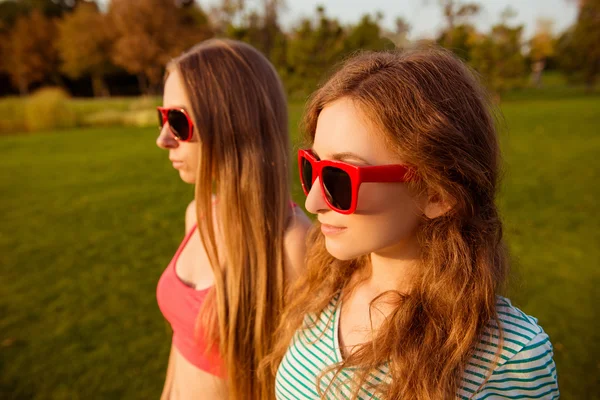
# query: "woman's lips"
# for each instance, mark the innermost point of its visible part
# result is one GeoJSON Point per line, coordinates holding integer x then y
{"type": "Point", "coordinates": [177, 164]}
{"type": "Point", "coordinates": [330, 230]}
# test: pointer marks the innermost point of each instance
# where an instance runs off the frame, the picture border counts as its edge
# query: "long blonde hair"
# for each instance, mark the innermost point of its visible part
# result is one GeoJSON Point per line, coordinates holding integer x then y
{"type": "Point", "coordinates": [240, 113]}
{"type": "Point", "coordinates": [435, 115]}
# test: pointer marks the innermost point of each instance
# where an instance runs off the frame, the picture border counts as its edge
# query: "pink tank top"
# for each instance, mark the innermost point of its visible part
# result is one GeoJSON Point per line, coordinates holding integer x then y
{"type": "Point", "coordinates": [180, 305]}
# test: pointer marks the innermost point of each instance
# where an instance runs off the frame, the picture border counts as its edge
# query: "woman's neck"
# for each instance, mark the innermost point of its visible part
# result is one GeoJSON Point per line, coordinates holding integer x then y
{"type": "Point", "coordinates": [393, 269]}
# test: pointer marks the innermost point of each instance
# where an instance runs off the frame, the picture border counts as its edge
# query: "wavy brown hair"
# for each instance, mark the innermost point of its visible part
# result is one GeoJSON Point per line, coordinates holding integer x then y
{"type": "Point", "coordinates": [240, 111]}
{"type": "Point", "coordinates": [435, 115]}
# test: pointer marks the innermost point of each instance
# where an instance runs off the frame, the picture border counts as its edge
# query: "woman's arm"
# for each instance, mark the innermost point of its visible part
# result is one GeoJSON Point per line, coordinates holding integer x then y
{"type": "Point", "coordinates": [295, 246]}
{"type": "Point", "coordinates": [166, 393]}
{"type": "Point", "coordinates": [529, 374]}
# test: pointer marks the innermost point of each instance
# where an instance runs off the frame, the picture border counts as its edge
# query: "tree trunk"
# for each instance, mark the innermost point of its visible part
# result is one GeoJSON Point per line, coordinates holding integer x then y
{"type": "Point", "coordinates": [142, 83]}
{"type": "Point", "coordinates": [590, 77]}
{"type": "Point", "coordinates": [99, 88]}
{"type": "Point", "coordinates": [589, 85]}
{"type": "Point", "coordinates": [537, 69]}
{"type": "Point", "coordinates": [18, 79]}
{"type": "Point", "coordinates": [58, 80]}
{"type": "Point", "coordinates": [23, 87]}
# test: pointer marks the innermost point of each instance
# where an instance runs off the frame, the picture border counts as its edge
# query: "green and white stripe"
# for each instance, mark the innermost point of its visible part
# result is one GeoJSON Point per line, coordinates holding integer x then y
{"type": "Point", "coordinates": [525, 370]}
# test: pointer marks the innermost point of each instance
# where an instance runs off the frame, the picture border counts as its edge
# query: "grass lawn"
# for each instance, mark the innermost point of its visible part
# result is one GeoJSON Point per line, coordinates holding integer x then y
{"type": "Point", "coordinates": [91, 217]}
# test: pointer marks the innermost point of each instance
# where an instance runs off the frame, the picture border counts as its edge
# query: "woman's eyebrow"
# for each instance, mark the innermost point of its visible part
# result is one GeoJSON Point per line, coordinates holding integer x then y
{"type": "Point", "coordinates": [346, 155]}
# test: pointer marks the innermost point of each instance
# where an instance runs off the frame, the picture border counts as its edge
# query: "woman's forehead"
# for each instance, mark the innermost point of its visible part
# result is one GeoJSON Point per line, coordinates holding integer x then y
{"type": "Point", "coordinates": [343, 128]}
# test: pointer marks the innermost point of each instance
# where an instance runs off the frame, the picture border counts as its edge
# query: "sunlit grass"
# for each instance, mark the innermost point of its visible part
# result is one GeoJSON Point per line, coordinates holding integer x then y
{"type": "Point", "coordinates": [90, 218]}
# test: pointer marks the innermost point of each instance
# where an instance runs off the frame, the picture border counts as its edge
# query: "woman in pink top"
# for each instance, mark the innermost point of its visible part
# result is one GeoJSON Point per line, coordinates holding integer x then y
{"type": "Point", "coordinates": [224, 123]}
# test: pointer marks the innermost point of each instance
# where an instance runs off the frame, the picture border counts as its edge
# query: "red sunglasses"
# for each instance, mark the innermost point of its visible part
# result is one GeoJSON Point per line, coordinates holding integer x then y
{"type": "Point", "coordinates": [340, 181]}
{"type": "Point", "coordinates": [180, 123]}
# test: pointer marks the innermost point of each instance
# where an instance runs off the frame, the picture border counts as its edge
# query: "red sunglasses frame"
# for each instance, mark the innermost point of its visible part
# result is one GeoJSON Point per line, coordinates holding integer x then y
{"type": "Point", "coordinates": [378, 173]}
{"type": "Point", "coordinates": [164, 112]}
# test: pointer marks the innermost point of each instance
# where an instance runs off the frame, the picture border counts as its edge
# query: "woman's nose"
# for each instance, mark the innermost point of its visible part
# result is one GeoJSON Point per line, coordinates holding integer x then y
{"type": "Point", "coordinates": [165, 139]}
{"type": "Point", "coordinates": [315, 200]}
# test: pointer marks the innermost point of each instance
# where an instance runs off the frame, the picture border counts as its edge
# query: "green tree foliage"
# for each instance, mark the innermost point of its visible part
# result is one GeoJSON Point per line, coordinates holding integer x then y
{"type": "Point", "coordinates": [250, 31]}
{"type": "Point", "coordinates": [223, 15]}
{"type": "Point", "coordinates": [398, 36]}
{"type": "Point", "coordinates": [541, 47]}
{"type": "Point", "coordinates": [85, 41]}
{"type": "Point", "coordinates": [578, 49]}
{"type": "Point", "coordinates": [460, 39]}
{"type": "Point", "coordinates": [456, 11]}
{"type": "Point", "coordinates": [141, 36]}
{"type": "Point", "coordinates": [261, 30]}
{"type": "Point", "coordinates": [568, 58]}
{"type": "Point", "coordinates": [271, 32]}
{"type": "Point", "coordinates": [498, 58]}
{"type": "Point", "coordinates": [304, 54]}
{"type": "Point", "coordinates": [366, 35]}
{"type": "Point", "coordinates": [151, 32]}
{"type": "Point", "coordinates": [458, 29]}
{"type": "Point", "coordinates": [314, 46]}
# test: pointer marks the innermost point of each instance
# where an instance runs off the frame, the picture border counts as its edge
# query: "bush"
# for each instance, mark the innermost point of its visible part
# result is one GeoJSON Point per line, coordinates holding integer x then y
{"type": "Point", "coordinates": [141, 118]}
{"type": "Point", "coordinates": [12, 110]}
{"type": "Point", "coordinates": [90, 109]}
{"type": "Point", "coordinates": [49, 108]}
{"type": "Point", "coordinates": [102, 118]}
{"type": "Point", "coordinates": [142, 112]}
{"type": "Point", "coordinates": [145, 103]}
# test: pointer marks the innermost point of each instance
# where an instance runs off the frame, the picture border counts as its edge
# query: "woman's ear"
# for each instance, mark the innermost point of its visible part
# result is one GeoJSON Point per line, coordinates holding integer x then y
{"type": "Point", "coordinates": [437, 205]}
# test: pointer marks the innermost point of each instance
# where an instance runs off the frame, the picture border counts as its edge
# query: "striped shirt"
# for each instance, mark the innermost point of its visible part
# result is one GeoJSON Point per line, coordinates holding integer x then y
{"type": "Point", "coordinates": [525, 369]}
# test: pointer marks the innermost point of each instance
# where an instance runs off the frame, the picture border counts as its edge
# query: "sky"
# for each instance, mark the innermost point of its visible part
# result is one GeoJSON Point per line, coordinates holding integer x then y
{"type": "Point", "coordinates": [425, 16]}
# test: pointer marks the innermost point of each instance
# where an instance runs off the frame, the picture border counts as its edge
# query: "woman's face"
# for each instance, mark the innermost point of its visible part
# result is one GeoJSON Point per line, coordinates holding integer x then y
{"type": "Point", "coordinates": [387, 214]}
{"type": "Point", "coordinates": [183, 155]}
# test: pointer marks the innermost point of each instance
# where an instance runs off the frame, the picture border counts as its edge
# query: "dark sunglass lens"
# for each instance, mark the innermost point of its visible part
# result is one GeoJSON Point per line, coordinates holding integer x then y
{"type": "Point", "coordinates": [160, 120]}
{"type": "Point", "coordinates": [307, 173]}
{"type": "Point", "coordinates": [179, 124]}
{"type": "Point", "coordinates": [338, 187]}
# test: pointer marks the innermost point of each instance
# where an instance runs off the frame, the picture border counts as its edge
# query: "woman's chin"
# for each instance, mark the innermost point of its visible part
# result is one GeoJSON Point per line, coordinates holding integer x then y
{"type": "Point", "coordinates": [339, 251]}
{"type": "Point", "coordinates": [187, 177]}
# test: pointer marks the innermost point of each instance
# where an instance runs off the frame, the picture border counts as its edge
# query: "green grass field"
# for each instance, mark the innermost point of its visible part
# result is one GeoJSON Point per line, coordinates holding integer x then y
{"type": "Point", "coordinates": [90, 218]}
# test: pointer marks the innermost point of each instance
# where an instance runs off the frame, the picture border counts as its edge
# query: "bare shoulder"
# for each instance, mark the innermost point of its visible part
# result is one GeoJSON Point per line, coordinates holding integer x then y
{"type": "Point", "coordinates": [190, 216]}
{"type": "Point", "coordinates": [295, 245]}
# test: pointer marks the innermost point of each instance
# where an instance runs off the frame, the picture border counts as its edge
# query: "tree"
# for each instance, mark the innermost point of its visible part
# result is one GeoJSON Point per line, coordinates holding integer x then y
{"type": "Point", "coordinates": [460, 40]}
{"type": "Point", "coordinates": [271, 28]}
{"type": "Point", "coordinates": [31, 55]}
{"type": "Point", "coordinates": [85, 40]}
{"type": "Point", "coordinates": [262, 30]}
{"type": "Point", "coordinates": [224, 14]}
{"type": "Point", "coordinates": [249, 31]}
{"type": "Point", "coordinates": [399, 36]}
{"type": "Point", "coordinates": [10, 11]}
{"type": "Point", "coordinates": [578, 50]}
{"type": "Point", "coordinates": [50, 8]}
{"type": "Point", "coordinates": [498, 57]}
{"type": "Point", "coordinates": [314, 46]}
{"type": "Point", "coordinates": [146, 39]}
{"type": "Point", "coordinates": [366, 35]}
{"type": "Point", "coordinates": [456, 13]}
{"type": "Point", "coordinates": [541, 46]}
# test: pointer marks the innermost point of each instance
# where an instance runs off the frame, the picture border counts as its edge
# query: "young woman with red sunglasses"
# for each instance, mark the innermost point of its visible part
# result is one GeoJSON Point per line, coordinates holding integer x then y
{"type": "Point", "coordinates": [404, 268]}
{"type": "Point", "coordinates": [224, 123]}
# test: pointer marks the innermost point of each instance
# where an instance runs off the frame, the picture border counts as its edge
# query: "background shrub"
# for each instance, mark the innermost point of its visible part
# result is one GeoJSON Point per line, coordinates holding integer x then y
{"type": "Point", "coordinates": [49, 108]}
